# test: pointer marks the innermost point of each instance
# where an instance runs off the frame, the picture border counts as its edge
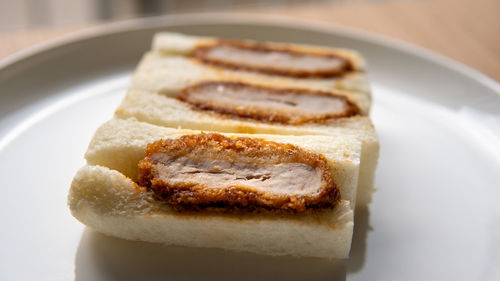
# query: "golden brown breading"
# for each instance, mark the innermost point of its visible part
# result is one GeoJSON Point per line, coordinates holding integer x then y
{"type": "Point", "coordinates": [211, 170]}
{"type": "Point", "coordinates": [267, 59]}
{"type": "Point", "coordinates": [266, 104]}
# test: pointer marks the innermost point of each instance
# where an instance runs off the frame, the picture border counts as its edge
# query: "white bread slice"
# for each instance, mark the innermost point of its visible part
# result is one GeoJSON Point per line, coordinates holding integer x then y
{"type": "Point", "coordinates": [109, 202]}
{"type": "Point", "coordinates": [120, 144]}
{"type": "Point", "coordinates": [168, 112]}
{"type": "Point", "coordinates": [169, 74]}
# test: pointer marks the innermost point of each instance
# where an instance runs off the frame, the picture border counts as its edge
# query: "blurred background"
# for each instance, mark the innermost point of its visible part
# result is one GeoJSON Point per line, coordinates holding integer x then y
{"type": "Point", "coordinates": [465, 30]}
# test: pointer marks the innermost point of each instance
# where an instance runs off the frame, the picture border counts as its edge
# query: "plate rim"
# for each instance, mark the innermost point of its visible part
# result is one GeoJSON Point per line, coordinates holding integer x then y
{"type": "Point", "coordinates": [248, 18]}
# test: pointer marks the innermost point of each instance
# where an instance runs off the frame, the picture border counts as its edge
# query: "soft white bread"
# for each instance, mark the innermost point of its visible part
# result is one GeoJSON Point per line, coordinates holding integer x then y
{"type": "Point", "coordinates": [120, 145]}
{"type": "Point", "coordinates": [168, 112]}
{"type": "Point", "coordinates": [111, 203]}
{"type": "Point", "coordinates": [167, 75]}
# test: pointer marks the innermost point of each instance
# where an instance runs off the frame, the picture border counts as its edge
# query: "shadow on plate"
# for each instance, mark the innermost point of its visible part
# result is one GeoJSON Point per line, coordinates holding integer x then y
{"type": "Point", "coordinates": [100, 257]}
{"type": "Point", "coordinates": [358, 247]}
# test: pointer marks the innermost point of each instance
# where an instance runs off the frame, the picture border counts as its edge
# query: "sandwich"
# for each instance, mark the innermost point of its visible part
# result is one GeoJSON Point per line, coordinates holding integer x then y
{"type": "Point", "coordinates": [234, 144]}
{"type": "Point", "coordinates": [267, 194]}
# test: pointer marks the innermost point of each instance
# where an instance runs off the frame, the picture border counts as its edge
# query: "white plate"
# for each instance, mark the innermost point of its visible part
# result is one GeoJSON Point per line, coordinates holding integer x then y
{"type": "Point", "coordinates": [435, 217]}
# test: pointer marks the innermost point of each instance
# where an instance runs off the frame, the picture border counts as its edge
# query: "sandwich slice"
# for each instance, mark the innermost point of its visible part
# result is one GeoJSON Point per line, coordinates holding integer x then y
{"type": "Point", "coordinates": [268, 194]}
{"type": "Point", "coordinates": [329, 67]}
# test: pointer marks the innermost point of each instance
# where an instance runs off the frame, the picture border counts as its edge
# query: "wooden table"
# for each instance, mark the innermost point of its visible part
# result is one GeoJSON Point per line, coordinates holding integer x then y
{"type": "Point", "coordinates": [465, 30]}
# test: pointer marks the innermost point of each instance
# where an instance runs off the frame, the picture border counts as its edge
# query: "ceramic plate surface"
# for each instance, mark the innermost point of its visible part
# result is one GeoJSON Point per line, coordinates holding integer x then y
{"type": "Point", "coordinates": [435, 216]}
